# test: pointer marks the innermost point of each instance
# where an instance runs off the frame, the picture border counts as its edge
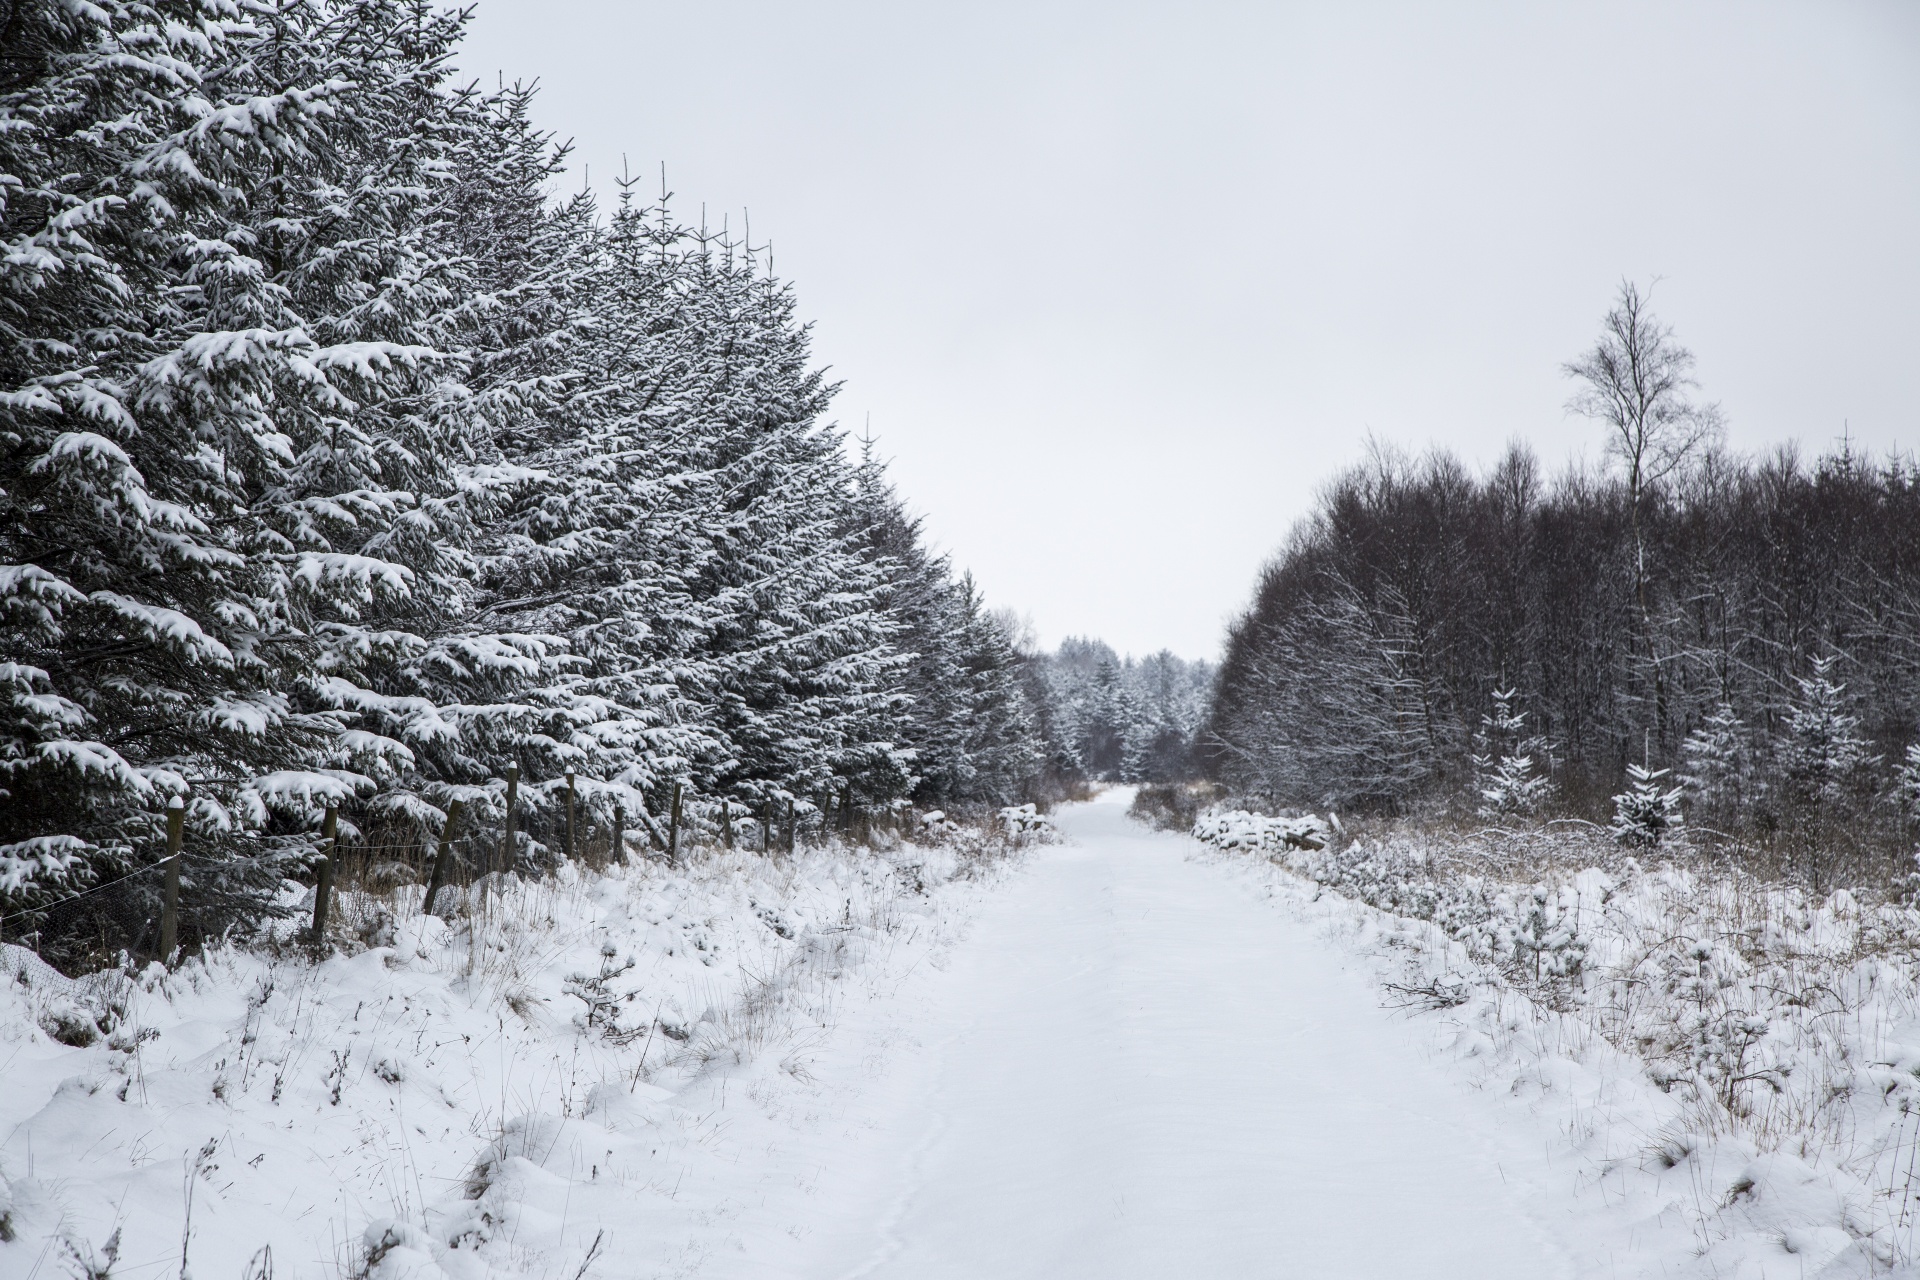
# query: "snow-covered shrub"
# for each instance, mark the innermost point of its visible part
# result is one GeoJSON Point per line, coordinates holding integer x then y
{"type": "Point", "coordinates": [1174, 806]}
{"type": "Point", "coordinates": [1025, 822]}
{"type": "Point", "coordinates": [1773, 1017]}
{"type": "Point", "coordinates": [1239, 829]}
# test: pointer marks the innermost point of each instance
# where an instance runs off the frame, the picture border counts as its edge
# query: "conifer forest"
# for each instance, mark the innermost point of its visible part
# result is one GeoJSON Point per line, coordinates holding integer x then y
{"type": "Point", "coordinates": [345, 470]}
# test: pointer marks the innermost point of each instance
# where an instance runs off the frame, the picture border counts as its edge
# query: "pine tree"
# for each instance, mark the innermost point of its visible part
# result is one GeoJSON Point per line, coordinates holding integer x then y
{"type": "Point", "coordinates": [800, 659]}
{"type": "Point", "coordinates": [1505, 775]}
{"type": "Point", "coordinates": [1823, 755]}
{"type": "Point", "coordinates": [148, 364]}
{"type": "Point", "coordinates": [1907, 779]}
{"type": "Point", "coordinates": [1719, 775]}
{"type": "Point", "coordinates": [340, 466]}
{"type": "Point", "coordinates": [595, 539]}
{"type": "Point", "coordinates": [1648, 815]}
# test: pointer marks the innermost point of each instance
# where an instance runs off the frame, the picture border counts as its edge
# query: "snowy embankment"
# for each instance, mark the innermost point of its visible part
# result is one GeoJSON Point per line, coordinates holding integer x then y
{"type": "Point", "coordinates": [596, 1073]}
{"type": "Point", "coordinates": [1734, 1065]}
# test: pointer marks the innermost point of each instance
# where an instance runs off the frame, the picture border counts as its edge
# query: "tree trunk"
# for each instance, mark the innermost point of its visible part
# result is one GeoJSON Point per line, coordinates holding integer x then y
{"type": "Point", "coordinates": [507, 843]}
{"type": "Point", "coordinates": [323, 884]}
{"type": "Point", "coordinates": [170, 902]}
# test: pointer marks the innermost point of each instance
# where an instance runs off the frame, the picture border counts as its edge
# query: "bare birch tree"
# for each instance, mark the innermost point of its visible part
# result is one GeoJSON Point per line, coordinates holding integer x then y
{"type": "Point", "coordinates": [1636, 380]}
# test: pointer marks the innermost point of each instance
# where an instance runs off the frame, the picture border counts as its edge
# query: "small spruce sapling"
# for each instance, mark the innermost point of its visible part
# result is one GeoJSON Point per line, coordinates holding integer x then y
{"type": "Point", "coordinates": [1824, 754]}
{"type": "Point", "coordinates": [1719, 769]}
{"type": "Point", "coordinates": [1547, 938]}
{"type": "Point", "coordinates": [1907, 780]}
{"type": "Point", "coordinates": [602, 1013]}
{"type": "Point", "coordinates": [1722, 1037]}
{"type": "Point", "coordinates": [1647, 815]}
{"type": "Point", "coordinates": [1505, 775]}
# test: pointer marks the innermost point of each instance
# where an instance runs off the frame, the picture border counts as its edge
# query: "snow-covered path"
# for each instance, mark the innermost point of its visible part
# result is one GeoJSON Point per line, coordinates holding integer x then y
{"type": "Point", "coordinates": [1138, 1069]}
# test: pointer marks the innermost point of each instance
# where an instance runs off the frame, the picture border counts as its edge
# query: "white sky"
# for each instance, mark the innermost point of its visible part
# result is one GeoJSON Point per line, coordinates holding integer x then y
{"type": "Point", "coordinates": [1120, 285]}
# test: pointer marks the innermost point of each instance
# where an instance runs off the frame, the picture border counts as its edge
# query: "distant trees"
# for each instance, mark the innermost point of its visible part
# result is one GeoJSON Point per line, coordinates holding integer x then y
{"type": "Point", "coordinates": [1123, 720]}
{"type": "Point", "coordinates": [1750, 624]}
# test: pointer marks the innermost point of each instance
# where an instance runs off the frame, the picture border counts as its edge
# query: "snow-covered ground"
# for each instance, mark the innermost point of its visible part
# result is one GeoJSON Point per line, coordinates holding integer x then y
{"type": "Point", "coordinates": [506, 1099]}
{"type": "Point", "coordinates": [1124, 1055]}
{"type": "Point", "coordinates": [1141, 1069]}
{"type": "Point", "coordinates": [1730, 1065]}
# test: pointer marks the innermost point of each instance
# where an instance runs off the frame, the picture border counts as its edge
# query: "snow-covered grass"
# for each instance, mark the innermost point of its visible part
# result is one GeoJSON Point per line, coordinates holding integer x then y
{"type": "Point", "coordinates": [1737, 1062]}
{"type": "Point", "coordinates": [592, 1073]}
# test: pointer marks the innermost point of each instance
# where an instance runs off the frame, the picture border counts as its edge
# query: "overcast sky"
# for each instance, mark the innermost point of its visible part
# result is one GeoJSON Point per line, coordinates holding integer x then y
{"type": "Point", "coordinates": [1119, 286]}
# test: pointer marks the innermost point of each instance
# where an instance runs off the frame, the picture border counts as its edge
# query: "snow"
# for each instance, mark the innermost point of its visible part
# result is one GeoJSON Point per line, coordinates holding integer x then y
{"type": "Point", "coordinates": [1125, 1055]}
{"type": "Point", "coordinates": [165, 626]}
{"type": "Point", "coordinates": [1143, 1072]}
{"type": "Point", "coordinates": [443, 1098]}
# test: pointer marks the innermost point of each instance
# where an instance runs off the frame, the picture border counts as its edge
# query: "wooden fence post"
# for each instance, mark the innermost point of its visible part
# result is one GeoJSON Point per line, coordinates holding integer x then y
{"type": "Point", "coordinates": [323, 885]}
{"type": "Point", "coordinates": [726, 822]}
{"type": "Point", "coordinates": [443, 862]}
{"type": "Point", "coordinates": [507, 846]}
{"type": "Point", "coordinates": [569, 815]}
{"type": "Point", "coordinates": [620, 834]}
{"type": "Point", "coordinates": [673, 829]}
{"type": "Point", "coordinates": [170, 899]}
{"type": "Point", "coordinates": [792, 822]}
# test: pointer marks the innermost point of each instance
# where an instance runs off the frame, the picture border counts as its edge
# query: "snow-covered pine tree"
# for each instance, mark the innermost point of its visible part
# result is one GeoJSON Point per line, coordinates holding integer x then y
{"type": "Point", "coordinates": [800, 675]}
{"type": "Point", "coordinates": [1106, 709]}
{"type": "Point", "coordinates": [1647, 814]}
{"type": "Point", "coordinates": [338, 465]}
{"type": "Point", "coordinates": [1718, 777]}
{"type": "Point", "coordinates": [592, 536]}
{"type": "Point", "coordinates": [1506, 777]}
{"type": "Point", "coordinates": [142, 364]}
{"type": "Point", "coordinates": [929, 724]}
{"type": "Point", "coordinates": [1171, 697]}
{"type": "Point", "coordinates": [1907, 779]}
{"type": "Point", "coordinates": [1002, 749]}
{"type": "Point", "coordinates": [966, 719]}
{"type": "Point", "coordinates": [364, 526]}
{"type": "Point", "coordinates": [1823, 755]}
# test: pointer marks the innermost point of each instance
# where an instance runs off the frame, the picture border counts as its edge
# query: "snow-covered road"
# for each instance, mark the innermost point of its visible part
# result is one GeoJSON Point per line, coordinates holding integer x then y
{"type": "Point", "coordinates": [1133, 1067]}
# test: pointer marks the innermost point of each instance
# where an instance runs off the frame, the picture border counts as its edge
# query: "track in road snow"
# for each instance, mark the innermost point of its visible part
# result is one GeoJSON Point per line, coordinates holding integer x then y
{"type": "Point", "coordinates": [1137, 1069]}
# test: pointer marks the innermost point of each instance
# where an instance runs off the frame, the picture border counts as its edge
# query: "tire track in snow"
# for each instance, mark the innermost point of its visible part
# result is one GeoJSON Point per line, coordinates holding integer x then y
{"type": "Point", "coordinates": [1144, 1071]}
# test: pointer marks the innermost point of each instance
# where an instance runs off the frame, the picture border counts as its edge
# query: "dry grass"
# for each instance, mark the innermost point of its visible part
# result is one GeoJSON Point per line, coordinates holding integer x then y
{"type": "Point", "coordinates": [1775, 1014]}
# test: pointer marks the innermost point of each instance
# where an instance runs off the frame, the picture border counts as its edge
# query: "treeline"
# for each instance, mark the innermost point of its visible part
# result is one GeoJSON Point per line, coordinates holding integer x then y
{"type": "Point", "coordinates": [341, 466]}
{"type": "Point", "coordinates": [1117, 719]}
{"type": "Point", "coordinates": [1434, 639]}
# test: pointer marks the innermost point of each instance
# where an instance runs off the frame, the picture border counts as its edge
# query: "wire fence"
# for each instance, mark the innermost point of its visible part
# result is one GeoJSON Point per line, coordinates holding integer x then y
{"type": "Point", "coordinates": [247, 881]}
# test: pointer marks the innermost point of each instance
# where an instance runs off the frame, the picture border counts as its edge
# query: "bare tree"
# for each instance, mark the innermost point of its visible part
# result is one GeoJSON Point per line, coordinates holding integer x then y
{"type": "Point", "coordinates": [1636, 382]}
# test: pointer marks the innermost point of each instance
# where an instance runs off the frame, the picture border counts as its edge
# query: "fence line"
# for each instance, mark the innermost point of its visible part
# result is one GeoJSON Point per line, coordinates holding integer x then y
{"type": "Point", "coordinates": [127, 916]}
